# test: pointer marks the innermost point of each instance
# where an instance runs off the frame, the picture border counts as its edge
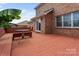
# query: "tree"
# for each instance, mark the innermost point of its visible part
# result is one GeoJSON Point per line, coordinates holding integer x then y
{"type": "Point", "coordinates": [7, 16]}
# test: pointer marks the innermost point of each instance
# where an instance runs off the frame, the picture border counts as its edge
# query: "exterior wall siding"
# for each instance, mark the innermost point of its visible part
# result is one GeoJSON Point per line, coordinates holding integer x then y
{"type": "Point", "coordinates": [67, 32]}
{"type": "Point", "coordinates": [43, 24]}
{"type": "Point", "coordinates": [48, 23]}
{"type": "Point", "coordinates": [59, 9]}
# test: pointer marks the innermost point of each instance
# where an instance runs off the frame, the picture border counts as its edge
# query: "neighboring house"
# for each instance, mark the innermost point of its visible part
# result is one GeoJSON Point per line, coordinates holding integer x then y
{"type": "Point", "coordinates": [23, 23]}
{"type": "Point", "coordinates": [60, 18]}
{"type": "Point", "coordinates": [13, 25]}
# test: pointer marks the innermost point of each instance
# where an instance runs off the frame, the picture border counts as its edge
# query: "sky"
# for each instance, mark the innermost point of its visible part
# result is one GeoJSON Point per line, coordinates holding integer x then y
{"type": "Point", "coordinates": [27, 13]}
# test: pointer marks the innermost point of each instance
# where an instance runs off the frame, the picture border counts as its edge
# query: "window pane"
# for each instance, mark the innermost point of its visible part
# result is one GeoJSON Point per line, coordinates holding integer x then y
{"type": "Point", "coordinates": [76, 19]}
{"type": "Point", "coordinates": [59, 24]}
{"type": "Point", "coordinates": [59, 18]}
{"type": "Point", "coordinates": [76, 15]}
{"type": "Point", "coordinates": [67, 20]}
{"type": "Point", "coordinates": [67, 23]}
{"type": "Point", "coordinates": [59, 21]}
{"type": "Point", "coordinates": [76, 23]}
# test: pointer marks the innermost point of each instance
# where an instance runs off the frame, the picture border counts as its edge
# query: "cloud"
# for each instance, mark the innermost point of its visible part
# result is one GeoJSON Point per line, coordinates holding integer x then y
{"type": "Point", "coordinates": [2, 5]}
{"type": "Point", "coordinates": [25, 15]}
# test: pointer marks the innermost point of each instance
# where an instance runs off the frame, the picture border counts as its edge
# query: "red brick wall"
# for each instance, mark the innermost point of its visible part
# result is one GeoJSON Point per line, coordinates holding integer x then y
{"type": "Point", "coordinates": [43, 24]}
{"type": "Point", "coordinates": [48, 22]}
{"type": "Point", "coordinates": [68, 32]}
{"type": "Point", "coordinates": [59, 9]}
{"type": "Point", "coordinates": [2, 32]}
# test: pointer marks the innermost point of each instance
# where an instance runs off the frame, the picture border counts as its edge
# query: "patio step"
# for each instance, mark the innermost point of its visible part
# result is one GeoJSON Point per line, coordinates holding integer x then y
{"type": "Point", "coordinates": [5, 44]}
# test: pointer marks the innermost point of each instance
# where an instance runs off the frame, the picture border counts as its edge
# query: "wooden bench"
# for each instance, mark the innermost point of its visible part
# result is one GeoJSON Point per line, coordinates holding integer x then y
{"type": "Point", "coordinates": [28, 34]}
{"type": "Point", "coordinates": [22, 33]}
{"type": "Point", "coordinates": [16, 34]}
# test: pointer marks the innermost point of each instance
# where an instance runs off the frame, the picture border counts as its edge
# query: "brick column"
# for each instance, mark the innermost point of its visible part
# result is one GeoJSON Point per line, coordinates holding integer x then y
{"type": "Point", "coordinates": [49, 22]}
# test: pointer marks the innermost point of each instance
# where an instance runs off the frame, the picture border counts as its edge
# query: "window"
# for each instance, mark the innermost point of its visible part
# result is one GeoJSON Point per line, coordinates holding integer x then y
{"type": "Point", "coordinates": [59, 21]}
{"type": "Point", "coordinates": [67, 20]}
{"type": "Point", "coordinates": [76, 19]}
{"type": "Point", "coordinates": [70, 20]}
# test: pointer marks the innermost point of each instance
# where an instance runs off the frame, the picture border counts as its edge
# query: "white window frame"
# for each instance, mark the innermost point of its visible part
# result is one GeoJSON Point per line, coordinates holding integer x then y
{"type": "Point", "coordinates": [63, 22]}
{"type": "Point", "coordinates": [71, 20]}
{"type": "Point", "coordinates": [73, 24]}
{"type": "Point", "coordinates": [56, 23]}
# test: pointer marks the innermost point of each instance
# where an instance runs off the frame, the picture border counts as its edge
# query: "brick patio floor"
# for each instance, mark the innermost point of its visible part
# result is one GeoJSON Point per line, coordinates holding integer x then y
{"type": "Point", "coordinates": [5, 45]}
{"type": "Point", "coordinates": [46, 45]}
{"type": "Point", "coordinates": [39, 45]}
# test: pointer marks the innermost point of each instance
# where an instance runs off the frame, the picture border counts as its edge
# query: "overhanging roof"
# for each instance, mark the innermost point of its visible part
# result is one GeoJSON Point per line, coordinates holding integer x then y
{"type": "Point", "coordinates": [45, 13]}
{"type": "Point", "coordinates": [37, 17]}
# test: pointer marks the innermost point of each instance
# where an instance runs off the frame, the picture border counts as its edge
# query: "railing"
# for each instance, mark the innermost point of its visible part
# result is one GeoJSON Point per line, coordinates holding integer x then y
{"type": "Point", "coordinates": [11, 30]}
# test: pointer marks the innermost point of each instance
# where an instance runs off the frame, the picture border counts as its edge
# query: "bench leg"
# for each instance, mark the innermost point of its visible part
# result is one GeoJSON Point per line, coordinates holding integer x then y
{"type": "Point", "coordinates": [30, 34]}
{"type": "Point", "coordinates": [22, 37]}
{"type": "Point", "coordinates": [13, 38]}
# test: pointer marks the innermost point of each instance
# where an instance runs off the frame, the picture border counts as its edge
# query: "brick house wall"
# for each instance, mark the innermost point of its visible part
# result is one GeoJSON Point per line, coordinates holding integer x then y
{"type": "Point", "coordinates": [49, 19]}
{"type": "Point", "coordinates": [43, 30]}
{"type": "Point", "coordinates": [48, 23]}
{"type": "Point", "coordinates": [60, 8]}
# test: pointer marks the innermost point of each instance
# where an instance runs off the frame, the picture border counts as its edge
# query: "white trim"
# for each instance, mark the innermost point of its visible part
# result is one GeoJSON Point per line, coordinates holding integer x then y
{"type": "Point", "coordinates": [55, 22]}
{"type": "Point", "coordinates": [62, 22]}
{"type": "Point", "coordinates": [49, 10]}
{"type": "Point", "coordinates": [39, 21]}
{"type": "Point", "coordinates": [37, 31]}
{"type": "Point", "coordinates": [71, 20]}
{"type": "Point", "coordinates": [67, 27]}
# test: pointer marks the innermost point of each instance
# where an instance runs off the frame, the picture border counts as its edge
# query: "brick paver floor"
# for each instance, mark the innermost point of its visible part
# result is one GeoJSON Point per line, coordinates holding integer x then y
{"type": "Point", "coordinates": [5, 44]}
{"type": "Point", "coordinates": [45, 45]}
{"type": "Point", "coordinates": [39, 45]}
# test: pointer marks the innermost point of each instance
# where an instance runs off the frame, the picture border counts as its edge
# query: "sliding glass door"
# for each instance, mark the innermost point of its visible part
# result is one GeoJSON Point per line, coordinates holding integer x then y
{"type": "Point", "coordinates": [37, 26]}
